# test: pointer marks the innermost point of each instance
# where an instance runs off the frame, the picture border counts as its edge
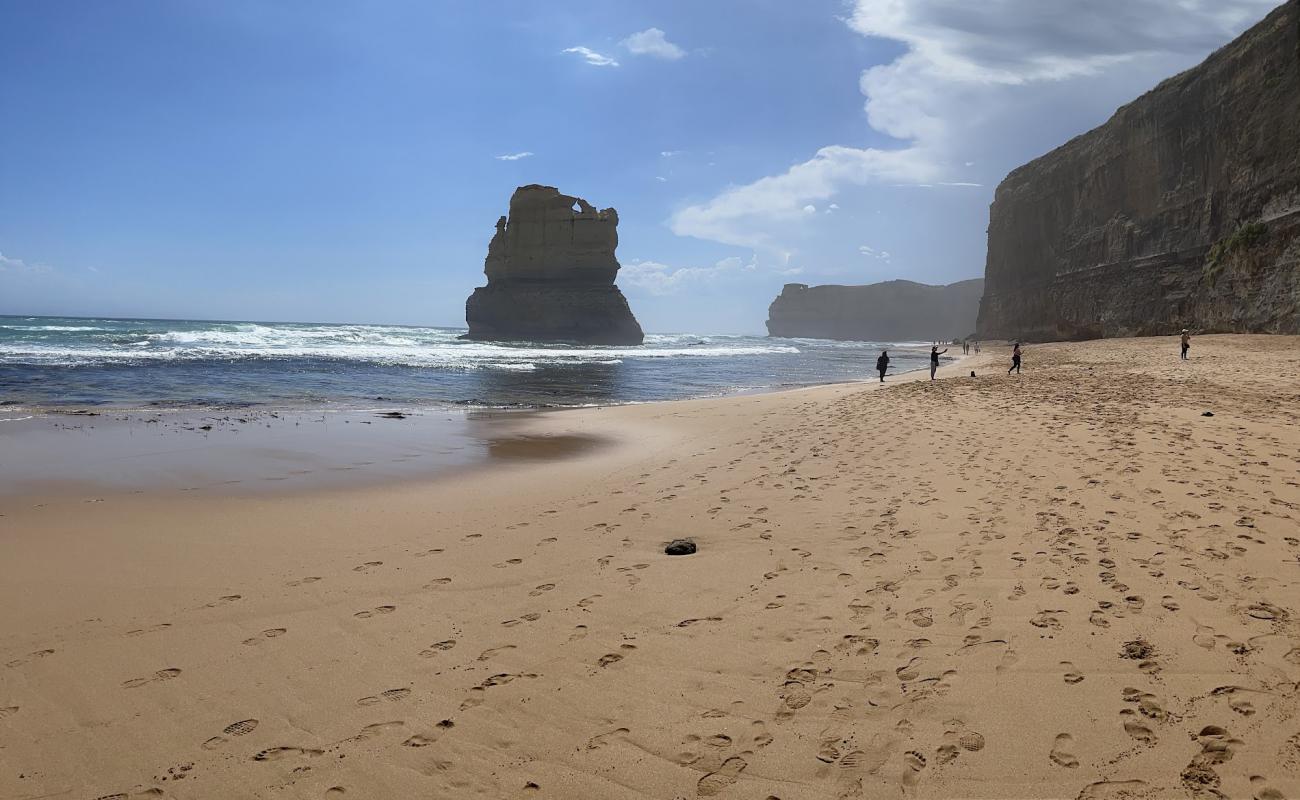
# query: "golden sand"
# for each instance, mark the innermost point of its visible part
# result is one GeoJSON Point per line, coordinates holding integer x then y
{"type": "Point", "coordinates": [1068, 583]}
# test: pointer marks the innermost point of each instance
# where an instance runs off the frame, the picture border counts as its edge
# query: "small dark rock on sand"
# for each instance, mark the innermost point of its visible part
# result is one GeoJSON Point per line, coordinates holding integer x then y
{"type": "Point", "coordinates": [1207, 413]}
{"type": "Point", "coordinates": [680, 547]}
{"type": "Point", "coordinates": [392, 415]}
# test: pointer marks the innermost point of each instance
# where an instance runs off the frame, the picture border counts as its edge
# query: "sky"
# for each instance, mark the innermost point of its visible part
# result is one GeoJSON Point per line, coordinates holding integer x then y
{"type": "Point", "coordinates": [321, 160]}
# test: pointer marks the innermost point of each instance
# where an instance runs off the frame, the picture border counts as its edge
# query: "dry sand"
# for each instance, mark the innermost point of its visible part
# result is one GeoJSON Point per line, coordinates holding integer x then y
{"type": "Point", "coordinates": [1064, 584]}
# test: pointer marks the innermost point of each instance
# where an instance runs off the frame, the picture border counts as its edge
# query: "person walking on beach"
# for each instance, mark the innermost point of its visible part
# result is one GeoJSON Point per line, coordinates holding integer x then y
{"type": "Point", "coordinates": [882, 364]}
{"type": "Point", "coordinates": [1186, 343]}
{"type": "Point", "coordinates": [1015, 360]}
{"type": "Point", "coordinates": [935, 352]}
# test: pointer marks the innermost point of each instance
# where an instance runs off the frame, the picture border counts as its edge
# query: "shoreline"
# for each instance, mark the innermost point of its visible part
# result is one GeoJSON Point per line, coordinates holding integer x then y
{"type": "Point", "coordinates": [230, 443]}
{"type": "Point", "coordinates": [885, 582]}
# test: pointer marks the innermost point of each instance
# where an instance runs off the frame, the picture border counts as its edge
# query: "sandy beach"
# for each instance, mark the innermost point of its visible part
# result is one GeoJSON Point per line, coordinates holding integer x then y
{"type": "Point", "coordinates": [1078, 582]}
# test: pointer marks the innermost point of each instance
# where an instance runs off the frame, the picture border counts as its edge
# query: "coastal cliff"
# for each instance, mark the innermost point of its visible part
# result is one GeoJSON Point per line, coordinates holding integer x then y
{"type": "Point", "coordinates": [551, 269]}
{"type": "Point", "coordinates": [879, 312]}
{"type": "Point", "coordinates": [1183, 210]}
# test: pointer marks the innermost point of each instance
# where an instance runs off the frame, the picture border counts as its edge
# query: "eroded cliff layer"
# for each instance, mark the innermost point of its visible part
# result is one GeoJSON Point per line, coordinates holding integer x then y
{"type": "Point", "coordinates": [892, 311]}
{"type": "Point", "coordinates": [551, 270]}
{"type": "Point", "coordinates": [1183, 210]}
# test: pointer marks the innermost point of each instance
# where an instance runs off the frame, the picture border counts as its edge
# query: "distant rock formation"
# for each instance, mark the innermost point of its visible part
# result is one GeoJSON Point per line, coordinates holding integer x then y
{"type": "Point", "coordinates": [1181, 211]}
{"type": "Point", "coordinates": [892, 311]}
{"type": "Point", "coordinates": [550, 270]}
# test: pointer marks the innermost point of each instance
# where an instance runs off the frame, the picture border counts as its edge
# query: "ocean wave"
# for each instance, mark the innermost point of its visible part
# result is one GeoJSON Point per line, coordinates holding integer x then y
{"type": "Point", "coordinates": [381, 345]}
{"type": "Point", "coordinates": [40, 328]}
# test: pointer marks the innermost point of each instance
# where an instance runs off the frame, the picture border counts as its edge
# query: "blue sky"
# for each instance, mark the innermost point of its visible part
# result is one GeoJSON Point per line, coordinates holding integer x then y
{"type": "Point", "coordinates": [341, 161]}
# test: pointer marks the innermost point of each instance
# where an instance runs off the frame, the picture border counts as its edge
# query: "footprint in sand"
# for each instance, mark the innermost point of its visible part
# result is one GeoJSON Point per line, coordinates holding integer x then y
{"type": "Point", "coordinates": [366, 567]}
{"type": "Point", "coordinates": [545, 587]}
{"type": "Point", "coordinates": [1072, 674]}
{"type": "Point", "coordinates": [1136, 728]}
{"type": "Point", "coordinates": [374, 611]}
{"type": "Point", "coordinates": [270, 633]}
{"type": "Point", "coordinates": [494, 651]}
{"type": "Point", "coordinates": [240, 728]}
{"type": "Point", "coordinates": [17, 662]}
{"type": "Point", "coordinates": [1060, 753]}
{"type": "Point", "coordinates": [419, 740]}
{"type": "Point", "coordinates": [438, 647]}
{"type": "Point", "coordinates": [391, 695]}
{"type": "Point", "coordinates": [1262, 791]}
{"type": "Point", "coordinates": [160, 675]}
{"type": "Point", "coordinates": [713, 783]}
{"type": "Point", "coordinates": [608, 659]}
{"type": "Point", "coordinates": [278, 753]}
{"type": "Point", "coordinates": [913, 763]}
{"type": "Point", "coordinates": [1049, 619]}
{"type": "Point", "coordinates": [221, 601]}
{"type": "Point", "coordinates": [920, 617]}
{"type": "Point", "coordinates": [436, 582]}
{"type": "Point", "coordinates": [600, 740]}
{"type": "Point", "coordinates": [303, 581]}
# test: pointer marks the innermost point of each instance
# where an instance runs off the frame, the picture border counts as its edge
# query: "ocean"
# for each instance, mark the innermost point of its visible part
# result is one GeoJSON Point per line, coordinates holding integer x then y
{"type": "Point", "coordinates": [152, 363]}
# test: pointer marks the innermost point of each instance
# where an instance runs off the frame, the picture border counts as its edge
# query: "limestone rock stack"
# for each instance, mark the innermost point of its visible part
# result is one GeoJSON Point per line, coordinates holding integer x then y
{"type": "Point", "coordinates": [1183, 210]}
{"type": "Point", "coordinates": [551, 269]}
{"type": "Point", "coordinates": [893, 311]}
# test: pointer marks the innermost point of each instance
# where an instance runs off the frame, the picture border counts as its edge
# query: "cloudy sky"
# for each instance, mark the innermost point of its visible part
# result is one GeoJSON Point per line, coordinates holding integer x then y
{"type": "Point", "coordinates": [345, 161]}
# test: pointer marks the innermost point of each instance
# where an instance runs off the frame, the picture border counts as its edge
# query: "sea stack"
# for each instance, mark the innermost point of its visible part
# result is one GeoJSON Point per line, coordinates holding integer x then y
{"type": "Point", "coordinates": [893, 311]}
{"type": "Point", "coordinates": [551, 269]}
{"type": "Point", "coordinates": [1182, 211]}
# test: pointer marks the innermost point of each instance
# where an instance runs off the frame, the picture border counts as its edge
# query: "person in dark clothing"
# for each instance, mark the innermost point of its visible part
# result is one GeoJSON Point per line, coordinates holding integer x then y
{"type": "Point", "coordinates": [1015, 360]}
{"type": "Point", "coordinates": [1186, 343]}
{"type": "Point", "coordinates": [935, 352]}
{"type": "Point", "coordinates": [882, 364]}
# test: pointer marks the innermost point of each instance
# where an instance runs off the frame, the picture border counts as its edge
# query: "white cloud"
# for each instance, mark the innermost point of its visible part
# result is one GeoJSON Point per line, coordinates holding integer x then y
{"type": "Point", "coordinates": [744, 215]}
{"type": "Point", "coordinates": [661, 179]}
{"type": "Point", "coordinates": [870, 252]}
{"type": "Point", "coordinates": [652, 42]}
{"type": "Point", "coordinates": [513, 156]}
{"type": "Point", "coordinates": [670, 153]}
{"type": "Point", "coordinates": [17, 265]}
{"type": "Point", "coordinates": [661, 279]}
{"type": "Point", "coordinates": [966, 75]}
{"type": "Point", "coordinates": [591, 56]}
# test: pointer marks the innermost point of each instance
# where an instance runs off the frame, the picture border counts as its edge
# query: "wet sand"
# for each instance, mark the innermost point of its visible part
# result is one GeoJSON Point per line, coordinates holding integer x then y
{"type": "Point", "coordinates": [78, 452]}
{"type": "Point", "coordinates": [1069, 583]}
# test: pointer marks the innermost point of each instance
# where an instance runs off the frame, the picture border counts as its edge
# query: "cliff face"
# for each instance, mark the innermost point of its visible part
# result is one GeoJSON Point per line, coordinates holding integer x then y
{"type": "Point", "coordinates": [1183, 210]}
{"type": "Point", "coordinates": [551, 269]}
{"type": "Point", "coordinates": [882, 312]}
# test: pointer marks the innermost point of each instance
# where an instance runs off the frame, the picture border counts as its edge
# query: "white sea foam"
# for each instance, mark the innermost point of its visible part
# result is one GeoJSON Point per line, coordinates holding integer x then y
{"type": "Point", "coordinates": [51, 328]}
{"type": "Point", "coordinates": [378, 344]}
